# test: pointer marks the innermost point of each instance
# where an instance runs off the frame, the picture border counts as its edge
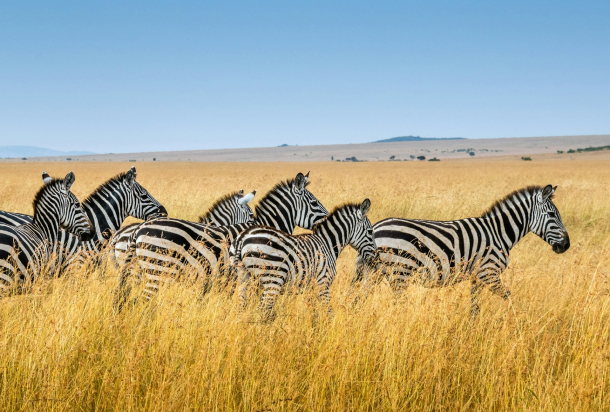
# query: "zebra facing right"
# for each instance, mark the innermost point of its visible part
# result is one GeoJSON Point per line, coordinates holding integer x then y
{"type": "Point", "coordinates": [475, 249]}
{"type": "Point", "coordinates": [278, 257]}
{"type": "Point", "coordinates": [26, 249]}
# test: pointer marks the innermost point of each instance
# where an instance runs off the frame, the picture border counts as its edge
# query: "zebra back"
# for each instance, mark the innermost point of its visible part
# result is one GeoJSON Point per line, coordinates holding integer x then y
{"type": "Point", "coordinates": [232, 209]}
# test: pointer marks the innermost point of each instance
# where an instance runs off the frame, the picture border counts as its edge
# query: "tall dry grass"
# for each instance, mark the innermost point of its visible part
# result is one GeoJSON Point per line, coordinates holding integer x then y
{"type": "Point", "coordinates": [65, 348]}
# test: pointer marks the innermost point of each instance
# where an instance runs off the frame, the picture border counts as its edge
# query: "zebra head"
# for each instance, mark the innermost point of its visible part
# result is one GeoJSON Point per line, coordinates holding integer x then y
{"type": "Point", "coordinates": [56, 196]}
{"type": "Point", "coordinates": [139, 203]}
{"type": "Point", "coordinates": [244, 212]}
{"type": "Point", "coordinates": [546, 222]}
{"type": "Point", "coordinates": [232, 209]}
{"type": "Point", "coordinates": [309, 210]}
{"type": "Point", "coordinates": [362, 238]}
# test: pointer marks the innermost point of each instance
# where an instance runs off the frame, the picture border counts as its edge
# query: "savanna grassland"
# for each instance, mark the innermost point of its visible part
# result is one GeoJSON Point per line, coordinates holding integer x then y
{"type": "Point", "coordinates": [64, 347]}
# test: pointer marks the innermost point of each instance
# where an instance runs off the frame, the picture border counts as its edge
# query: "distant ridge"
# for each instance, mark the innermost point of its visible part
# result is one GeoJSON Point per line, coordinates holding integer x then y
{"type": "Point", "coordinates": [415, 139]}
{"type": "Point", "coordinates": [33, 151]}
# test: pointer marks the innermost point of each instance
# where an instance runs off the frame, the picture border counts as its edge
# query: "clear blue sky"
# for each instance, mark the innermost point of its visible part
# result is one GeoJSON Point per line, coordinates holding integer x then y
{"type": "Point", "coordinates": [142, 76]}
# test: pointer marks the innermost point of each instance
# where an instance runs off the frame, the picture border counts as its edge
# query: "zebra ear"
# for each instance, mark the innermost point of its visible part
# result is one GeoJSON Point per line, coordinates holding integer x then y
{"type": "Point", "coordinates": [46, 178]}
{"type": "Point", "coordinates": [130, 177]}
{"type": "Point", "coordinates": [365, 207]}
{"type": "Point", "coordinates": [69, 181]}
{"type": "Point", "coordinates": [247, 198]}
{"type": "Point", "coordinates": [299, 182]}
{"type": "Point", "coordinates": [547, 192]}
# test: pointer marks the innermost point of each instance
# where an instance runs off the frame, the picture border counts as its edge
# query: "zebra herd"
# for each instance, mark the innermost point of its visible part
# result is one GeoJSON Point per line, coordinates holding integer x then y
{"type": "Point", "coordinates": [231, 244]}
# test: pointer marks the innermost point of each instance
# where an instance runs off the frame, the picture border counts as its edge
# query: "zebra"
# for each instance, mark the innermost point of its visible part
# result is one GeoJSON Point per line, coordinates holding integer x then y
{"type": "Point", "coordinates": [107, 207]}
{"type": "Point", "coordinates": [231, 209]}
{"type": "Point", "coordinates": [475, 249]}
{"type": "Point", "coordinates": [26, 249]}
{"type": "Point", "coordinates": [278, 258]}
{"type": "Point", "coordinates": [170, 246]}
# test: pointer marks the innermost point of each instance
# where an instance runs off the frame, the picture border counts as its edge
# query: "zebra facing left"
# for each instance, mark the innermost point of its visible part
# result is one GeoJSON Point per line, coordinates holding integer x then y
{"type": "Point", "coordinates": [26, 249]}
{"type": "Point", "coordinates": [278, 258]}
{"type": "Point", "coordinates": [475, 249]}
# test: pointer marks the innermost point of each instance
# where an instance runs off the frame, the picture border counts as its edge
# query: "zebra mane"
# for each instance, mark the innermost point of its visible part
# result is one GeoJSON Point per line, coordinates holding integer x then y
{"type": "Point", "coordinates": [336, 210]}
{"type": "Point", "coordinates": [218, 202]}
{"type": "Point", "coordinates": [527, 191]}
{"type": "Point", "coordinates": [285, 185]}
{"type": "Point", "coordinates": [38, 197]}
{"type": "Point", "coordinates": [104, 185]}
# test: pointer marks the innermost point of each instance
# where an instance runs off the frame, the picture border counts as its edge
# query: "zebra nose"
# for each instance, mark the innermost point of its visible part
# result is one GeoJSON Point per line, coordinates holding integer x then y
{"type": "Point", "coordinates": [566, 242]}
{"type": "Point", "coordinates": [563, 245]}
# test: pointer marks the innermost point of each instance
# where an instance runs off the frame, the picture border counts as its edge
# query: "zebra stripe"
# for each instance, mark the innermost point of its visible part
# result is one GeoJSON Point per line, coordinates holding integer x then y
{"type": "Point", "coordinates": [277, 257]}
{"type": "Point", "coordinates": [25, 249]}
{"type": "Point", "coordinates": [476, 249]}
{"type": "Point", "coordinates": [14, 219]}
{"type": "Point", "coordinates": [231, 209]}
{"type": "Point", "coordinates": [165, 246]}
{"type": "Point", "coordinates": [107, 207]}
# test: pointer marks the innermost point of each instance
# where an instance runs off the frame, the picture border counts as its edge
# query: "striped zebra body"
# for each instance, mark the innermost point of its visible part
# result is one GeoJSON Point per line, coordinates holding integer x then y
{"type": "Point", "coordinates": [475, 249]}
{"type": "Point", "coordinates": [229, 210]}
{"type": "Point", "coordinates": [107, 207]}
{"type": "Point", "coordinates": [277, 257]}
{"type": "Point", "coordinates": [165, 247]}
{"type": "Point", "coordinates": [14, 219]}
{"type": "Point", "coordinates": [26, 249]}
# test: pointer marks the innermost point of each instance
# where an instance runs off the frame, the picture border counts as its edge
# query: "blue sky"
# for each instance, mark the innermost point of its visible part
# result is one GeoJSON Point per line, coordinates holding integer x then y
{"type": "Point", "coordinates": [143, 76]}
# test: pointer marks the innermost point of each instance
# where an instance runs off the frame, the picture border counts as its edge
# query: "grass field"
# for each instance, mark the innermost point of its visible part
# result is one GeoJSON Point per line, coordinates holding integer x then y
{"type": "Point", "coordinates": [64, 348]}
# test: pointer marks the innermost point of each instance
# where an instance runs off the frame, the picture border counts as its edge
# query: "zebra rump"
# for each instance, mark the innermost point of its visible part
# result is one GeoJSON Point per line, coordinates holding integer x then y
{"type": "Point", "coordinates": [277, 258]}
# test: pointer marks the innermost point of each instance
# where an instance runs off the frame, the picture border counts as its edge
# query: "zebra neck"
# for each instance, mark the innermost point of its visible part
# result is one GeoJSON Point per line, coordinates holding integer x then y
{"type": "Point", "coordinates": [277, 210]}
{"type": "Point", "coordinates": [105, 212]}
{"type": "Point", "coordinates": [46, 225]}
{"type": "Point", "coordinates": [282, 220]}
{"type": "Point", "coordinates": [511, 221]}
{"type": "Point", "coordinates": [333, 234]}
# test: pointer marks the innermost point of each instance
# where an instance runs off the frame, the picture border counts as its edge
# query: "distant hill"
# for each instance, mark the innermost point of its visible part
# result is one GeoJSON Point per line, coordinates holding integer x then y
{"type": "Point", "coordinates": [415, 139]}
{"type": "Point", "coordinates": [33, 151]}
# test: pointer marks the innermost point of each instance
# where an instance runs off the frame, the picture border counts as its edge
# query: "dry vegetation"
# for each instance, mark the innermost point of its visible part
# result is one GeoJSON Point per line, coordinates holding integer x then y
{"type": "Point", "coordinates": [64, 348]}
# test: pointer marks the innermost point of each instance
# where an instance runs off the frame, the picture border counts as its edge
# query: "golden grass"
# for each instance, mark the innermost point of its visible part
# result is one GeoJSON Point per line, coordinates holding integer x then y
{"type": "Point", "coordinates": [64, 348]}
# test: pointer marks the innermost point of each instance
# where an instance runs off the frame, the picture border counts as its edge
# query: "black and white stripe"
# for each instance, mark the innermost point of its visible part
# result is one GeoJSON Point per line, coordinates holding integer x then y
{"type": "Point", "coordinates": [231, 209]}
{"type": "Point", "coordinates": [167, 247]}
{"type": "Point", "coordinates": [276, 257]}
{"type": "Point", "coordinates": [26, 249]}
{"type": "Point", "coordinates": [107, 207]}
{"type": "Point", "coordinates": [14, 219]}
{"type": "Point", "coordinates": [476, 249]}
